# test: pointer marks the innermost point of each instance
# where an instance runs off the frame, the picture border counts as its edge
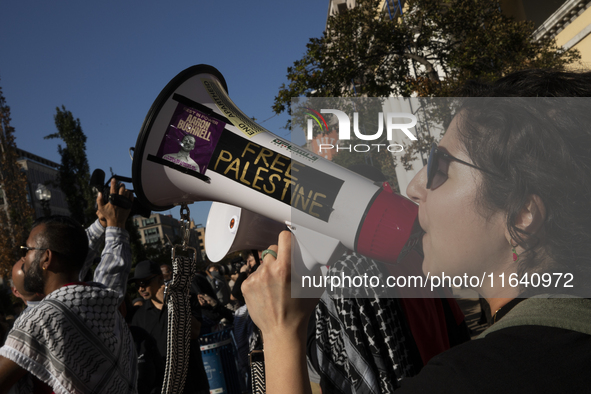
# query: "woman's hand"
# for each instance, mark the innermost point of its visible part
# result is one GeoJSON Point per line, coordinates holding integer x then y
{"type": "Point", "coordinates": [282, 320]}
{"type": "Point", "coordinates": [268, 294]}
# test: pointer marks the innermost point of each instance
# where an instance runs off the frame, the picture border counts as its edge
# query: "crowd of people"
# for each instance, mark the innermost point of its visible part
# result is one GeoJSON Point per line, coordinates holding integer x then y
{"type": "Point", "coordinates": [506, 191]}
{"type": "Point", "coordinates": [79, 332]}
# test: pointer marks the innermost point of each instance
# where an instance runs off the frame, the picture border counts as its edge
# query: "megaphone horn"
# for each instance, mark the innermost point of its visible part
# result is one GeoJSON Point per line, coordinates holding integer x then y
{"type": "Point", "coordinates": [224, 156]}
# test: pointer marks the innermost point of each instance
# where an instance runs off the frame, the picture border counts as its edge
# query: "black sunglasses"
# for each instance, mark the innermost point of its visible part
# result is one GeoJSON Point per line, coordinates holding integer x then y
{"type": "Point", "coordinates": [438, 165]}
{"type": "Point", "coordinates": [146, 282]}
{"type": "Point", "coordinates": [25, 250]}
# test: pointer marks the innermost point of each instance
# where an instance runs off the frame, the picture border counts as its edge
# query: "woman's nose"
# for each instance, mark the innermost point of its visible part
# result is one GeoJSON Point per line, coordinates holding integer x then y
{"type": "Point", "coordinates": [416, 189]}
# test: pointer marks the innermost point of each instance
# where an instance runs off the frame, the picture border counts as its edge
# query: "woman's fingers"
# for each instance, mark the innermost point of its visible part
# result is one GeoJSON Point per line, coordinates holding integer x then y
{"type": "Point", "coordinates": [268, 293]}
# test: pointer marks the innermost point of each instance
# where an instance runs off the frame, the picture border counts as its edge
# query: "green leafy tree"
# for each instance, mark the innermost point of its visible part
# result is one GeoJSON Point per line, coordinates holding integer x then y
{"type": "Point", "coordinates": [16, 215]}
{"type": "Point", "coordinates": [74, 174]}
{"type": "Point", "coordinates": [367, 108]}
{"type": "Point", "coordinates": [380, 160]}
{"type": "Point", "coordinates": [430, 50]}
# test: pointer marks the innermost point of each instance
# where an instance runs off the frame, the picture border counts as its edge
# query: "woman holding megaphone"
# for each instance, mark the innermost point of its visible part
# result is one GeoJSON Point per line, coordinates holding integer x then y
{"type": "Point", "coordinates": [505, 197]}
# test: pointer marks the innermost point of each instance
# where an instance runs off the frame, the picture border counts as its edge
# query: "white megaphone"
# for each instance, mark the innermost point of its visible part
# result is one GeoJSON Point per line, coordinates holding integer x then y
{"type": "Point", "coordinates": [196, 145]}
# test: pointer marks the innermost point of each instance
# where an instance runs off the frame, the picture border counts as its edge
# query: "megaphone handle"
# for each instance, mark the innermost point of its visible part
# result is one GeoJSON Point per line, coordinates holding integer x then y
{"type": "Point", "coordinates": [303, 265]}
{"type": "Point", "coordinates": [316, 249]}
{"type": "Point", "coordinates": [302, 260]}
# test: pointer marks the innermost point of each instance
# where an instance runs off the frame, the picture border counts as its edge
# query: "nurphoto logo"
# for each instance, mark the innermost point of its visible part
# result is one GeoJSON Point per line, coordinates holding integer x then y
{"type": "Point", "coordinates": [393, 122]}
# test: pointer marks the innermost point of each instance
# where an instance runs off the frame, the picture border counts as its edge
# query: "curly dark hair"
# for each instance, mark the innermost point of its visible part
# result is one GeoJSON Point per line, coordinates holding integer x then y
{"type": "Point", "coordinates": [65, 237]}
{"type": "Point", "coordinates": [533, 130]}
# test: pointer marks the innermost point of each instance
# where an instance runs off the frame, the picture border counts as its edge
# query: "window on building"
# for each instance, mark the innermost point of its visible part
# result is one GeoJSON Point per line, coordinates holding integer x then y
{"type": "Point", "coordinates": [153, 239]}
{"type": "Point", "coordinates": [151, 231]}
{"type": "Point", "coordinates": [147, 222]}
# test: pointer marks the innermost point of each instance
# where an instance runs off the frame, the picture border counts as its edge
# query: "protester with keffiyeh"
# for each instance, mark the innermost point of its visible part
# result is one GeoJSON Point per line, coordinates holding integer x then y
{"type": "Point", "coordinates": [75, 340]}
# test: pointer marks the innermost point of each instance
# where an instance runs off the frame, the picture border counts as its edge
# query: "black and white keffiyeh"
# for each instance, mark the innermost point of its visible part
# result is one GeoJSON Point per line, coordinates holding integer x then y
{"type": "Point", "coordinates": [363, 344]}
{"type": "Point", "coordinates": [76, 341]}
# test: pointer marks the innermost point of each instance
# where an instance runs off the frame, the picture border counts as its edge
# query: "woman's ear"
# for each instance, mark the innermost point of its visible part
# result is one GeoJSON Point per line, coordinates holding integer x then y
{"type": "Point", "coordinates": [532, 215]}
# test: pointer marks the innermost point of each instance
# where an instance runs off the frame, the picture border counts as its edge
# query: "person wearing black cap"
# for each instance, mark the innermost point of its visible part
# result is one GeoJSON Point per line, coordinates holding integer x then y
{"type": "Point", "coordinates": [151, 323]}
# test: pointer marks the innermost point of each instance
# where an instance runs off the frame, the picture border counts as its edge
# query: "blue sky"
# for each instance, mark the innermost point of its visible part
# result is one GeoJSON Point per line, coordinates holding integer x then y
{"type": "Point", "coordinates": [107, 61]}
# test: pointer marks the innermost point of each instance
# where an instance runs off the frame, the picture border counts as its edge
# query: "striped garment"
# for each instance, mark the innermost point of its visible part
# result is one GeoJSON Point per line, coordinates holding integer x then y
{"type": "Point", "coordinates": [76, 341]}
{"type": "Point", "coordinates": [113, 270]}
{"type": "Point", "coordinates": [362, 344]}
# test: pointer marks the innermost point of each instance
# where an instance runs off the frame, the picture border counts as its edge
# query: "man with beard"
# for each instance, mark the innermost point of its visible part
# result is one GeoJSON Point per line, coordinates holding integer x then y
{"type": "Point", "coordinates": [95, 233]}
{"type": "Point", "coordinates": [18, 286]}
{"type": "Point", "coordinates": [75, 340]}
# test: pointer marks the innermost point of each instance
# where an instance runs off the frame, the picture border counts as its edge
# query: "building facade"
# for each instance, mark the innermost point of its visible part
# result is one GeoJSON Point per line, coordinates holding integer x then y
{"type": "Point", "coordinates": [569, 23]}
{"type": "Point", "coordinates": [41, 171]}
{"type": "Point", "coordinates": [158, 229]}
{"type": "Point", "coordinates": [197, 239]}
{"type": "Point", "coordinates": [165, 231]}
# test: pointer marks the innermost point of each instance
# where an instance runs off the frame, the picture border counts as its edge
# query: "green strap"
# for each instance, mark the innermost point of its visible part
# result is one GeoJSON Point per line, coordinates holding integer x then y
{"type": "Point", "coordinates": [569, 313]}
